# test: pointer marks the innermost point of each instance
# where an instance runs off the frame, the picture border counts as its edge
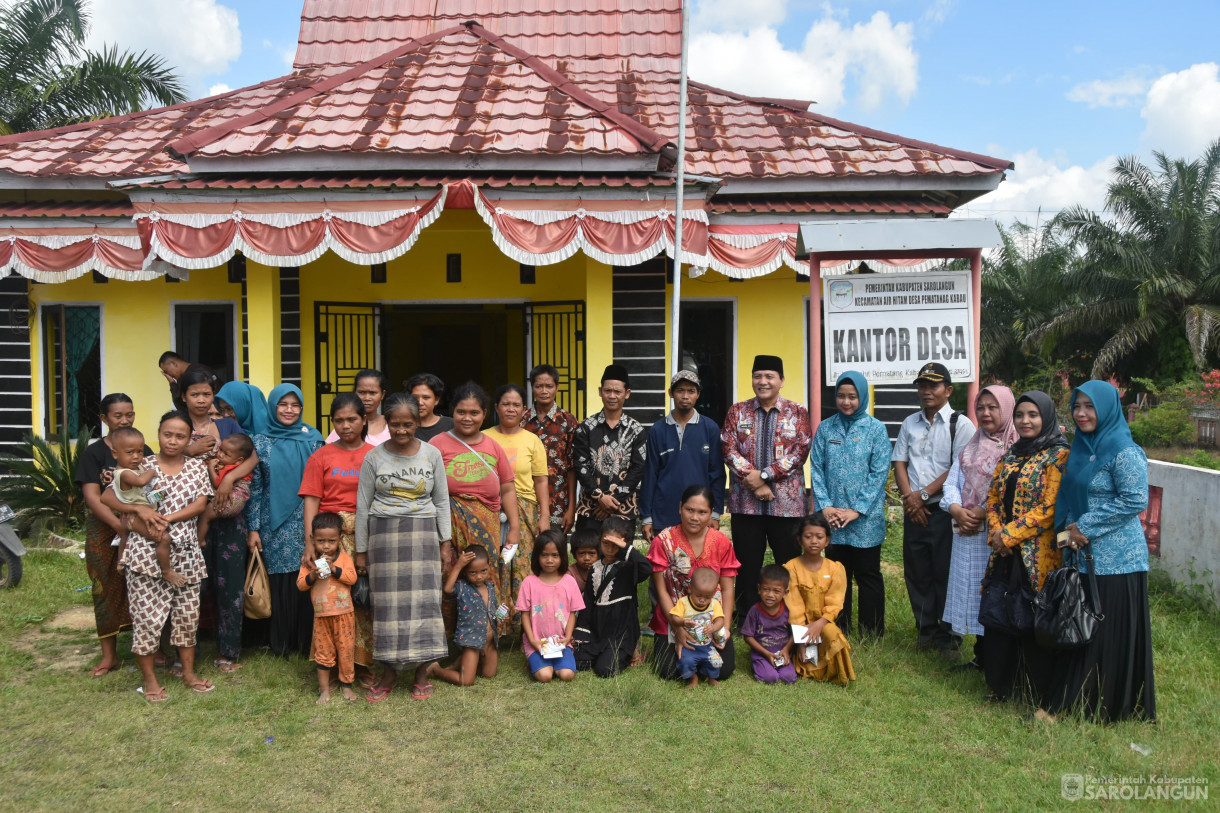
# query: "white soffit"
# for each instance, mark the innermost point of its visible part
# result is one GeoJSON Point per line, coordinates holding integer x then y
{"type": "Point", "coordinates": [879, 237]}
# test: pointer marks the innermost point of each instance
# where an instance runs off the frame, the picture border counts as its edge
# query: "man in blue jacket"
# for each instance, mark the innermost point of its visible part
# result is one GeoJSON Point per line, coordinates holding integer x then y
{"type": "Point", "coordinates": [683, 450]}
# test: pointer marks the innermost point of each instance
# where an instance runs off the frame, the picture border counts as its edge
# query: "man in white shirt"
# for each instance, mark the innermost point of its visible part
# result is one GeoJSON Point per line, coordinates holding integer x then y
{"type": "Point", "coordinates": [928, 443]}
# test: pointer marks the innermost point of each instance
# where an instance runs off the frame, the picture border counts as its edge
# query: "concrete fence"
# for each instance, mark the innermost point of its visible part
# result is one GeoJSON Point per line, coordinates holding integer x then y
{"type": "Point", "coordinates": [1187, 525]}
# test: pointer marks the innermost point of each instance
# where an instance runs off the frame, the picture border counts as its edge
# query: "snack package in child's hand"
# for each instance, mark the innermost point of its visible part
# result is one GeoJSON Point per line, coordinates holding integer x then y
{"type": "Point", "coordinates": [508, 553]}
{"type": "Point", "coordinates": [551, 647]}
{"type": "Point", "coordinates": [502, 612]}
{"type": "Point", "coordinates": [323, 568]}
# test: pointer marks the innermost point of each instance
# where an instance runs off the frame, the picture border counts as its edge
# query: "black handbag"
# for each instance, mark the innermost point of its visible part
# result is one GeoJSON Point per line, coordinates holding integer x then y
{"type": "Point", "coordinates": [362, 595]}
{"type": "Point", "coordinates": [1066, 613]}
{"type": "Point", "coordinates": [1006, 604]}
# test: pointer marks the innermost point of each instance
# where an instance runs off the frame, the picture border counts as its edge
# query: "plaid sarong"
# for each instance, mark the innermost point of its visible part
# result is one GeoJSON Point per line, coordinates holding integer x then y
{"type": "Point", "coordinates": [405, 579]}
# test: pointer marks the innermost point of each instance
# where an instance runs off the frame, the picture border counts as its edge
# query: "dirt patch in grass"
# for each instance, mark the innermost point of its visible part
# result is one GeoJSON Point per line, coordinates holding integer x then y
{"type": "Point", "coordinates": [60, 644]}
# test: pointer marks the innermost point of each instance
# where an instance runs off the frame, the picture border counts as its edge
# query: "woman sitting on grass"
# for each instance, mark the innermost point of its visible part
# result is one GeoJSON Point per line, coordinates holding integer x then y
{"type": "Point", "coordinates": [675, 554]}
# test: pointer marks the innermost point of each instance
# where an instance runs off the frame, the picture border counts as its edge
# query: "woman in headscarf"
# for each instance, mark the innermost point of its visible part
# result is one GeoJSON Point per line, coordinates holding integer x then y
{"type": "Point", "coordinates": [275, 513]}
{"type": "Point", "coordinates": [1021, 534]}
{"type": "Point", "coordinates": [965, 498]}
{"type": "Point", "coordinates": [1104, 490]}
{"type": "Point", "coordinates": [224, 553]}
{"type": "Point", "coordinates": [849, 462]}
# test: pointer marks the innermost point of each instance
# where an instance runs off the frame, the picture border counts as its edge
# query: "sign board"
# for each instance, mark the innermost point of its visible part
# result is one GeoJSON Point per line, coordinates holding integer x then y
{"type": "Point", "coordinates": [887, 326]}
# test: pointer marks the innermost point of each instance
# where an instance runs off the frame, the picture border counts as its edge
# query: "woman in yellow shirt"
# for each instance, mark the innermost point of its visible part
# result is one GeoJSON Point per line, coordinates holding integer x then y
{"type": "Point", "coordinates": [527, 458]}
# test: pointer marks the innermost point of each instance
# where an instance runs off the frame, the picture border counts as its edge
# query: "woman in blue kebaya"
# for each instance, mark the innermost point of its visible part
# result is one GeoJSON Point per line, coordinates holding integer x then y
{"type": "Point", "coordinates": [1104, 489]}
{"type": "Point", "coordinates": [849, 462]}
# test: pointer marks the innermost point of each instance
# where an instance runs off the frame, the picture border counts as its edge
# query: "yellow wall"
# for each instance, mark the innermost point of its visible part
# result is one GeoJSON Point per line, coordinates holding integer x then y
{"type": "Point", "coordinates": [769, 311]}
{"type": "Point", "coordinates": [770, 318]}
{"type": "Point", "coordinates": [135, 331]}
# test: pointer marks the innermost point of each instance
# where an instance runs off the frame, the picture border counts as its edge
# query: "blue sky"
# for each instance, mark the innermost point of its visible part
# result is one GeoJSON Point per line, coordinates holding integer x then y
{"type": "Point", "coordinates": [1062, 88]}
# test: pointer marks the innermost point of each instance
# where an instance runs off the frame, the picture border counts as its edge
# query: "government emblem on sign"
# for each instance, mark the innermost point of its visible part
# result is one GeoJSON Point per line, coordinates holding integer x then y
{"type": "Point", "coordinates": [840, 294]}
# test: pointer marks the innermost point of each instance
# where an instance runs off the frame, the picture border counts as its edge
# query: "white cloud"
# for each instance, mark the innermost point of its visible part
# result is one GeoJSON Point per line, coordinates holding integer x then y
{"type": "Point", "coordinates": [1119, 92]}
{"type": "Point", "coordinates": [1049, 184]}
{"type": "Point", "coordinates": [217, 89]}
{"type": "Point", "coordinates": [287, 55]}
{"type": "Point", "coordinates": [734, 15]}
{"type": "Point", "coordinates": [938, 12]}
{"type": "Point", "coordinates": [872, 60]}
{"type": "Point", "coordinates": [1182, 111]}
{"type": "Point", "coordinates": [198, 37]}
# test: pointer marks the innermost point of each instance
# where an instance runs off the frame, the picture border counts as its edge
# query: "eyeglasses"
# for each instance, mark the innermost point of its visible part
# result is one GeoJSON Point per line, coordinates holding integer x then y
{"type": "Point", "coordinates": [291, 407]}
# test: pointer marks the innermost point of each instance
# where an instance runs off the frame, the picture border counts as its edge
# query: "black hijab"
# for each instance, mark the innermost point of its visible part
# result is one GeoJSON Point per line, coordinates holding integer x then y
{"type": "Point", "coordinates": [1051, 434]}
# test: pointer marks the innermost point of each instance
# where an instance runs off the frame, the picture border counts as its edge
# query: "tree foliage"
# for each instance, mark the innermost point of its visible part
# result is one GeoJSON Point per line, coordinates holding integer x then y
{"type": "Point", "coordinates": [1151, 269]}
{"type": "Point", "coordinates": [48, 78]}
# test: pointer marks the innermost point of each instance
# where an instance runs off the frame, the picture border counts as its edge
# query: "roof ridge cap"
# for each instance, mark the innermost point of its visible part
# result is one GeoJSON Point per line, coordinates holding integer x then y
{"type": "Point", "coordinates": [184, 146]}
{"type": "Point", "coordinates": [852, 127]}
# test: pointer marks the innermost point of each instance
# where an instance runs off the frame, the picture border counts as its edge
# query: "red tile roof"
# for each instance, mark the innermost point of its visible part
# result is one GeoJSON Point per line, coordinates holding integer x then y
{"type": "Point", "coordinates": [52, 208]}
{"type": "Point", "coordinates": [391, 180]}
{"type": "Point", "coordinates": [575, 36]}
{"type": "Point", "coordinates": [454, 91]}
{"type": "Point", "coordinates": [772, 204]}
{"type": "Point", "coordinates": [461, 90]}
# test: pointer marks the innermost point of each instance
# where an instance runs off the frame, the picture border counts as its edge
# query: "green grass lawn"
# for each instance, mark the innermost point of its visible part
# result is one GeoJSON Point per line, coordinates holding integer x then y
{"type": "Point", "coordinates": [907, 735]}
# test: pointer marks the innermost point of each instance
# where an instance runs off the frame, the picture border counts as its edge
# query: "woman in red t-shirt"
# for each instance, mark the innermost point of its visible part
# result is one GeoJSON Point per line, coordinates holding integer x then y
{"type": "Point", "coordinates": [481, 490]}
{"type": "Point", "coordinates": [330, 482]}
{"type": "Point", "coordinates": [675, 553]}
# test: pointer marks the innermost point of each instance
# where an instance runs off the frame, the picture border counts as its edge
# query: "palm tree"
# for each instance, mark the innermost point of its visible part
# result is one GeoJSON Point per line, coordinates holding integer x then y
{"type": "Point", "coordinates": [48, 78]}
{"type": "Point", "coordinates": [1154, 268]}
{"type": "Point", "coordinates": [1023, 288]}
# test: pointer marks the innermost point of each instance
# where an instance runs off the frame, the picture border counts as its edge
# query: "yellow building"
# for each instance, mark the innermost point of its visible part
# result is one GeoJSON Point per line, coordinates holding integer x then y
{"type": "Point", "coordinates": [424, 193]}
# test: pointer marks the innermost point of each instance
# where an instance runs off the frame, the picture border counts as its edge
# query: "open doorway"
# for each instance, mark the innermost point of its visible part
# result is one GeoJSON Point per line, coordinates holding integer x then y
{"type": "Point", "coordinates": [204, 334]}
{"type": "Point", "coordinates": [457, 343]}
{"type": "Point", "coordinates": [708, 347]}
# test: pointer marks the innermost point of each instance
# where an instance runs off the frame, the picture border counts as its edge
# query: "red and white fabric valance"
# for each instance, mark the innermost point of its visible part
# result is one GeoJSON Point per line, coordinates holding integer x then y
{"type": "Point", "coordinates": [59, 255]}
{"type": "Point", "coordinates": [293, 233]}
{"type": "Point", "coordinates": [615, 232]}
{"type": "Point", "coordinates": [748, 251]}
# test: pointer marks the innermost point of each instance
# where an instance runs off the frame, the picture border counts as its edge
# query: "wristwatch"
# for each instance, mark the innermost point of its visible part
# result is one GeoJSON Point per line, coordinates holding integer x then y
{"type": "Point", "coordinates": [923, 494]}
{"type": "Point", "coordinates": [765, 475]}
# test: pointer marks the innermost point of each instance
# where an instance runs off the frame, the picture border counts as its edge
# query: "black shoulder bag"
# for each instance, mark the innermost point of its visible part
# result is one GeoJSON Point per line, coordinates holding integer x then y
{"type": "Point", "coordinates": [1006, 604]}
{"type": "Point", "coordinates": [1066, 612]}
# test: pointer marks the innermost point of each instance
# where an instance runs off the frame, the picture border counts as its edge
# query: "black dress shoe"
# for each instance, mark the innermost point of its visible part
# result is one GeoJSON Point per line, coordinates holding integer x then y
{"type": "Point", "coordinates": [970, 664]}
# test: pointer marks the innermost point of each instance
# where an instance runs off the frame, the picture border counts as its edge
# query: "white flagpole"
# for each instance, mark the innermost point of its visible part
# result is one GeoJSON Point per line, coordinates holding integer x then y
{"type": "Point", "coordinates": [675, 352]}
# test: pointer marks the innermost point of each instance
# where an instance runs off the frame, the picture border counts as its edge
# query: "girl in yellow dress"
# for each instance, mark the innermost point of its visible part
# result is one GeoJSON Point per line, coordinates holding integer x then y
{"type": "Point", "coordinates": [815, 599]}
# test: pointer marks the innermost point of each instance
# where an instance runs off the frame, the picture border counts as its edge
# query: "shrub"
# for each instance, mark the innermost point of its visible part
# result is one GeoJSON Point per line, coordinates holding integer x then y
{"type": "Point", "coordinates": [1165, 425]}
{"type": "Point", "coordinates": [39, 484]}
{"type": "Point", "coordinates": [1199, 458]}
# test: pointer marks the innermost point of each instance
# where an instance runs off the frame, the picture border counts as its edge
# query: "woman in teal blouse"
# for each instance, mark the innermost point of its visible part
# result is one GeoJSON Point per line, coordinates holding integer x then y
{"type": "Point", "coordinates": [849, 462]}
{"type": "Point", "coordinates": [1104, 489]}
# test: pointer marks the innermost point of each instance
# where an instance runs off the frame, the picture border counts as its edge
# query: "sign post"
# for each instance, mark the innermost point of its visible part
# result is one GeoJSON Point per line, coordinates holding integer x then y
{"type": "Point", "coordinates": [887, 326]}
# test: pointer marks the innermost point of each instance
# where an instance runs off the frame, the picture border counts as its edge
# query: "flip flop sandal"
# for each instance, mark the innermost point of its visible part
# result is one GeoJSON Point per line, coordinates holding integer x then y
{"type": "Point", "coordinates": [102, 671]}
{"type": "Point", "coordinates": [154, 697]}
{"type": "Point", "coordinates": [226, 666]}
{"type": "Point", "coordinates": [377, 695]}
{"type": "Point", "coordinates": [366, 681]}
{"type": "Point", "coordinates": [423, 692]}
{"type": "Point", "coordinates": [203, 687]}
{"type": "Point", "coordinates": [176, 669]}
{"type": "Point", "coordinates": [637, 659]}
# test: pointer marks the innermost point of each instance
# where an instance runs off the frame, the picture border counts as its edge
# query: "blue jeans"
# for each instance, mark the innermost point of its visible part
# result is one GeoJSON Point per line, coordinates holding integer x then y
{"type": "Point", "coordinates": [699, 659]}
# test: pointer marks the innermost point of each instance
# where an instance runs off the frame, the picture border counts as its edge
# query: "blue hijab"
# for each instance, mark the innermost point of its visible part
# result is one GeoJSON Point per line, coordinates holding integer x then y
{"type": "Point", "coordinates": [1091, 450]}
{"type": "Point", "coordinates": [293, 446]}
{"type": "Point", "coordinates": [249, 405]}
{"type": "Point", "coordinates": [861, 384]}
